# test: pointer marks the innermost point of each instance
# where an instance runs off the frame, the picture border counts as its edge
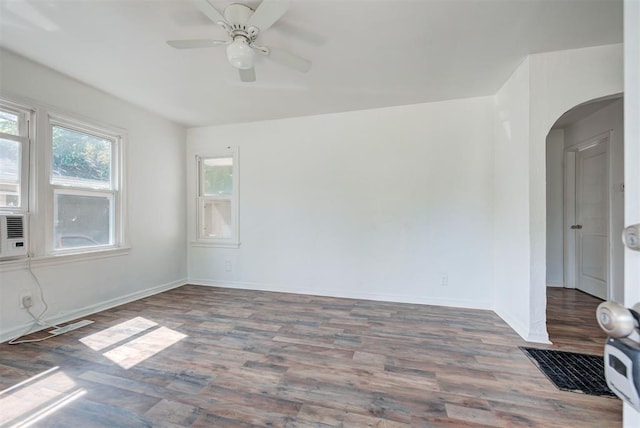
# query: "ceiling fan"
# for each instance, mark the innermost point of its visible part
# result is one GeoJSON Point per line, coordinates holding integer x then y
{"type": "Point", "coordinates": [244, 25]}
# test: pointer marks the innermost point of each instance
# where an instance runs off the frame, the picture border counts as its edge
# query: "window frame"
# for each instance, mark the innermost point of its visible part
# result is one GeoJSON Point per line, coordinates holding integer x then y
{"type": "Point", "coordinates": [234, 240]}
{"type": "Point", "coordinates": [25, 120]}
{"type": "Point", "coordinates": [115, 190]}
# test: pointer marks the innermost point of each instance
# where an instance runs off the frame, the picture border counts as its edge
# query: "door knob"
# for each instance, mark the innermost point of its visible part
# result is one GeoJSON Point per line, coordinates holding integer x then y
{"type": "Point", "coordinates": [631, 237]}
{"type": "Point", "coordinates": [576, 226]}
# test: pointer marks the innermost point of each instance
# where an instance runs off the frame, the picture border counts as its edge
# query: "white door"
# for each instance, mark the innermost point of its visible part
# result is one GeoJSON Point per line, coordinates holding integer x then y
{"type": "Point", "coordinates": [631, 163]}
{"type": "Point", "coordinates": [592, 219]}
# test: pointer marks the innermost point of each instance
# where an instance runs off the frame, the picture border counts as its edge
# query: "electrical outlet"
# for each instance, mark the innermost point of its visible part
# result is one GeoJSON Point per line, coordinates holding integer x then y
{"type": "Point", "coordinates": [26, 300]}
{"type": "Point", "coordinates": [228, 267]}
{"type": "Point", "coordinates": [444, 281]}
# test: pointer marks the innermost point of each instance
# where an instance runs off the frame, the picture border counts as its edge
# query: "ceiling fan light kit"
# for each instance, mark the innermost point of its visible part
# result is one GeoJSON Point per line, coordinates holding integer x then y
{"type": "Point", "coordinates": [243, 25]}
{"type": "Point", "coordinates": [240, 54]}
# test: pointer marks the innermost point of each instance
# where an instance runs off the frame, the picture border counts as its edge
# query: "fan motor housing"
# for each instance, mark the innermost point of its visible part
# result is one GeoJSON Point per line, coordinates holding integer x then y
{"type": "Point", "coordinates": [237, 14]}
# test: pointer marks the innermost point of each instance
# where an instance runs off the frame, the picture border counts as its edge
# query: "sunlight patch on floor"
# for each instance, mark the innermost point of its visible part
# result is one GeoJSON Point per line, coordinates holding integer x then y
{"type": "Point", "coordinates": [138, 350]}
{"type": "Point", "coordinates": [133, 341]}
{"type": "Point", "coordinates": [112, 335]}
{"type": "Point", "coordinates": [33, 399]}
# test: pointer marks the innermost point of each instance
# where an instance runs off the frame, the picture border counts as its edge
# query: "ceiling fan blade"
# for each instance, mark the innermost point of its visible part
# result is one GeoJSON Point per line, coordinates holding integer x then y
{"type": "Point", "coordinates": [267, 13]}
{"type": "Point", "coordinates": [290, 60]}
{"type": "Point", "coordinates": [211, 12]}
{"type": "Point", "coordinates": [194, 44]}
{"type": "Point", "coordinates": [247, 75]}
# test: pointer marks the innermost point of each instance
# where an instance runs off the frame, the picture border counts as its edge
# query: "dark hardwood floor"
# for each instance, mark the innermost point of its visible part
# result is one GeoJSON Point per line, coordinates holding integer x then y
{"type": "Point", "coordinates": [571, 321]}
{"type": "Point", "coordinates": [212, 357]}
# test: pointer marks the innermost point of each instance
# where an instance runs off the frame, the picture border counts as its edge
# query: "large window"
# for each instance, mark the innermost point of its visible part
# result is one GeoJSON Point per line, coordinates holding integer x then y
{"type": "Point", "coordinates": [217, 200]}
{"type": "Point", "coordinates": [85, 187]}
{"type": "Point", "coordinates": [14, 157]}
{"type": "Point", "coordinates": [66, 176]}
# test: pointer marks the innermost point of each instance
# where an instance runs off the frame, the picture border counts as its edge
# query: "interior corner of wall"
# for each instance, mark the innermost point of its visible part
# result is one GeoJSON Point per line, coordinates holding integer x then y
{"type": "Point", "coordinates": [533, 334]}
{"type": "Point", "coordinates": [518, 325]}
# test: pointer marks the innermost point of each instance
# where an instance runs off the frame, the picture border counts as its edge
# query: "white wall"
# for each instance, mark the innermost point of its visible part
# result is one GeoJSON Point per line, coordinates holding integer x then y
{"type": "Point", "coordinates": [511, 199]}
{"type": "Point", "coordinates": [376, 204]}
{"type": "Point", "coordinates": [155, 188]}
{"type": "Point", "coordinates": [608, 118]}
{"type": "Point", "coordinates": [632, 162]}
{"type": "Point", "coordinates": [632, 144]}
{"type": "Point", "coordinates": [555, 211]}
{"type": "Point", "coordinates": [556, 82]}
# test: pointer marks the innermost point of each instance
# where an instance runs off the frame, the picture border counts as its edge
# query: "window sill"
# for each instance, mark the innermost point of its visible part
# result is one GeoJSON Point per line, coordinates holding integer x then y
{"type": "Point", "coordinates": [57, 259]}
{"type": "Point", "coordinates": [208, 244]}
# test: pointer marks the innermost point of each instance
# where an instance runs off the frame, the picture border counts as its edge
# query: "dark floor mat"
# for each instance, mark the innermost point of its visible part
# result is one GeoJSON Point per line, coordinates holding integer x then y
{"type": "Point", "coordinates": [570, 371]}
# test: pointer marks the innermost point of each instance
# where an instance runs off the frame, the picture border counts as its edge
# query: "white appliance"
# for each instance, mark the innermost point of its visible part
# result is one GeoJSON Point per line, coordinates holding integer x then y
{"type": "Point", "coordinates": [13, 238]}
{"type": "Point", "coordinates": [621, 352]}
{"type": "Point", "coordinates": [622, 369]}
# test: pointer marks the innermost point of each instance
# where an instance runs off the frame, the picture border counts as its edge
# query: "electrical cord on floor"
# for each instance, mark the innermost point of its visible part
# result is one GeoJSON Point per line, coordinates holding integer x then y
{"type": "Point", "coordinates": [37, 320]}
{"type": "Point", "coordinates": [18, 342]}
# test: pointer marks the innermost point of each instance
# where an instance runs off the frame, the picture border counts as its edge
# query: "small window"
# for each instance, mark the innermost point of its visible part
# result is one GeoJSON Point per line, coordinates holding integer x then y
{"type": "Point", "coordinates": [14, 157]}
{"type": "Point", "coordinates": [217, 200]}
{"type": "Point", "coordinates": [86, 188]}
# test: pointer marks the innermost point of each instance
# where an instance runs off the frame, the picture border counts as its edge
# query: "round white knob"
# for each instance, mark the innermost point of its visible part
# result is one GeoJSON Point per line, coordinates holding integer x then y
{"type": "Point", "coordinates": [615, 319]}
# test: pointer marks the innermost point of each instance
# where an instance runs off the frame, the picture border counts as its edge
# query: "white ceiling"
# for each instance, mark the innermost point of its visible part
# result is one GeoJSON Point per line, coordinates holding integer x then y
{"type": "Point", "coordinates": [365, 53]}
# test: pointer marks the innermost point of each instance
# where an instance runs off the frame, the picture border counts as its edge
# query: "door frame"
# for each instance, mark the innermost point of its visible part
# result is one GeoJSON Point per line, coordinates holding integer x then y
{"type": "Point", "coordinates": [569, 237]}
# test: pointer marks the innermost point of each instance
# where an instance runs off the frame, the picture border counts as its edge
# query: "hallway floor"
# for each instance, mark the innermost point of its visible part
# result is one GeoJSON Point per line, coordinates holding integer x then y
{"type": "Point", "coordinates": [571, 321]}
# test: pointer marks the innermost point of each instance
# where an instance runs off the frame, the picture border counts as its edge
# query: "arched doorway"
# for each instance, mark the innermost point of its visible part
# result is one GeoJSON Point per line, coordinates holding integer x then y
{"type": "Point", "coordinates": [585, 206]}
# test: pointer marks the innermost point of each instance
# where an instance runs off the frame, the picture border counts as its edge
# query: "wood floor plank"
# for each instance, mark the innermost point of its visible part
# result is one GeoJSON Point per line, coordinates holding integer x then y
{"type": "Point", "coordinates": [212, 357]}
{"type": "Point", "coordinates": [312, 415]}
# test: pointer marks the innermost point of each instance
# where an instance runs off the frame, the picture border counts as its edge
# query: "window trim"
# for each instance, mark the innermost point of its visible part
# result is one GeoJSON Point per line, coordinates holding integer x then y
{"type": "Point", "coordinates": [25, 119]}
{"type": "Point", "coordinates": [116, 190]}
{"type": "Point", "coordinates": [201, 198]}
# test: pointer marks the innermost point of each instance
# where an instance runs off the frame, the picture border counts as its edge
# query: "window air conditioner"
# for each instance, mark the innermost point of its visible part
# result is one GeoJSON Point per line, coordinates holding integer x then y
{"type": "Point", "coordinates": [13, 239]}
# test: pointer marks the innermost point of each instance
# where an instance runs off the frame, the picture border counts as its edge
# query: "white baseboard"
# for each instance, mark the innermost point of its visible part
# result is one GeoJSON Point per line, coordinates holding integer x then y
{"type": "Point", "coordinates": [539, 337]}
{"type": "Point", "coordinates": [9, 334]}
{"type": "Point", "coordinates": [513, 322]}
{"type": "Point", "coordinates": [555, 284]}
{"type": "Point", "coordinates": [522, 329]}
{"type": "Point", "coordinates": [351, 294]}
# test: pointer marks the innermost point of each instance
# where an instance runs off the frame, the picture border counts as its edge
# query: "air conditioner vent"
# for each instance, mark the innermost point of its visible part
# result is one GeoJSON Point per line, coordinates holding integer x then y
{"type": "Point", "coordinates": [15, 227]}
{"type": "Point", "coordinates": [13, 236]}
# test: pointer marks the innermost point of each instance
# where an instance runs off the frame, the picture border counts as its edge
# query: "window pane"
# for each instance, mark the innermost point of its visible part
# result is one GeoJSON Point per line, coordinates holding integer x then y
{"type": "Point", "coordinates": [9, 123]}
{"type": "Point", "coordinates": [10, 157]}
{"type": "Point", "coordinates": [80, 159]}
{"type": "Point", "coordinates": [216, 219]}
{"type": "Point", "coordinates": [82, 221]}
{"type": "Point", "coordinates": [218, 176]}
